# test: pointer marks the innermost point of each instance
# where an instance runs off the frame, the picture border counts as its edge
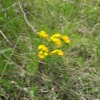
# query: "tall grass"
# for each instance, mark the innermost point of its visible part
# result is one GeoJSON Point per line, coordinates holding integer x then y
{"type": "Point", "coordinates": [24, 76]}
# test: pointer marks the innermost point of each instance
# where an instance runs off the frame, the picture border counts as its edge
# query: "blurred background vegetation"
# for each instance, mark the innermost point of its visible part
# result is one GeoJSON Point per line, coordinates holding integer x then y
{"type": "Point", "coordinates": [23, 76]}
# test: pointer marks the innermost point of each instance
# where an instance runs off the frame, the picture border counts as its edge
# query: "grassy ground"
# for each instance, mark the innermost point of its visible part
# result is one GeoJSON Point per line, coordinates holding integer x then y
{"type": "Point", "coordinates": [24, 76]}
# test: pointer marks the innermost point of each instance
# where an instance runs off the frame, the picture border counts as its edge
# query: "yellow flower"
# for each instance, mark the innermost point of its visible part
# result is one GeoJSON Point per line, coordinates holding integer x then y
{"type": "Point", "coordinates": [57, 51]}
{"type": "Point", "coordinates": [43, 48]}
{"type": "Point", "coordinates": [43, 34]}
{"type": "Point", "coordinates": [60, 52]}
{"type": "Point", "coordinates": [54, 52]}
{"type": "Point", "coordinates": [66, 39]}
{"type": "Point", "coordinates": [57, 41]}
{"type": "Point", "coordinates": [42, 54]}
{"type": "Point", "coordinates": [56, 35]}
{"type": "Point", "coordinates": [46, 53]}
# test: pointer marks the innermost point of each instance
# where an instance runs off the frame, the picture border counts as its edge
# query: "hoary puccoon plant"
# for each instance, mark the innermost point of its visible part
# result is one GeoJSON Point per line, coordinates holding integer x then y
{"type": "Point", "coordinates": [53, 46]}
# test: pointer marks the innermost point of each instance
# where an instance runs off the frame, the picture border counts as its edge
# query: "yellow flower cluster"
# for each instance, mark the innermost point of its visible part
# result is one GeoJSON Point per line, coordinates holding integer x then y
{"type": "Point", "coordinates": [43, 34]}
{"type": "Point", "coordinates": [56, 38]}
{"type": "Point", "coordinates": [66, 39]}
{"type": "Point", "coordinates": [43, 48]}
{"type": "Point", "coordinates": [57, 51]}
{"type": "Point", "coordinates": [57, 42]}
{"type": "Point", "coordinates": [56, 35]}
{"type": "Point", "coordinates": [43, 51]}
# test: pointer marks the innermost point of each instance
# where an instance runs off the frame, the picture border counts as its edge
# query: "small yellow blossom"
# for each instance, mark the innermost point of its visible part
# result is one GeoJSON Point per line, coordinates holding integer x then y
{"type": "Point", "coordinates": [60, 52]}
{"type": "Point", "coordinates": [56, 35]}
{"type": "Point", "coordinates": [54, 51]}
{"type": "Point", "coordinates": [57, 51]}
{"type": "Point", "coordinates": [57, 41]}
{"type": "Point", "coordinates": [46, 53]}
{"type": "Point", "coordinates": [42, 54]}
{"type": "Point", "coordinates": [66, 39]}
{"type": "Point", "coordinates": [43, 47]}
{"type": "Point", "coordinates": [43, 34]}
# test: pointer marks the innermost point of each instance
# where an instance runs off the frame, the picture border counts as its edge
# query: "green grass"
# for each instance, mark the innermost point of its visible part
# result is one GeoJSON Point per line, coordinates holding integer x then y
{"type": "Point", "coordinates": [23, 76]}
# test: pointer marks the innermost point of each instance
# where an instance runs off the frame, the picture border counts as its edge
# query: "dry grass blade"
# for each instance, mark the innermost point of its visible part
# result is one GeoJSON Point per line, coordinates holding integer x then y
{"type": "Point", "coordinates": [4, 36]}
{"type": "Point", "coordinates": [25, 18]}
